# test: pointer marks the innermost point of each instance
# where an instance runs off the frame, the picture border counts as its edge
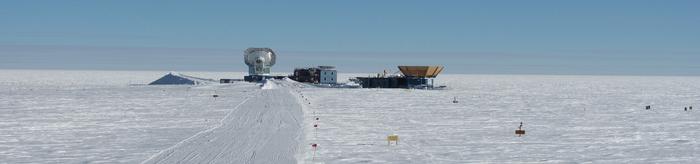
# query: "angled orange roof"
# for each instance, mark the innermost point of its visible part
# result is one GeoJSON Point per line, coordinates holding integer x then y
{"type": "Point", "coordinates": [421, 71]}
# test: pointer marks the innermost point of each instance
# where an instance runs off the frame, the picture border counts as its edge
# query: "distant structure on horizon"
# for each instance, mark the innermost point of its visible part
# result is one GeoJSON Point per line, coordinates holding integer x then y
{"type": "Point", "coordinates": [174, 78]}
{"type": "Point", "coordinates": [328, 75]}
{"type": "Point", "coordinates": [316, 75]}
{"type": "Point", "coordinates": [418, 77]}
{"type": "Point", "coordinates": [259, 61]}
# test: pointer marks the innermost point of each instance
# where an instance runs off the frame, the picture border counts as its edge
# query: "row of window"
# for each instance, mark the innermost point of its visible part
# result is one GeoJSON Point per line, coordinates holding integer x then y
{"type": "Point", "coordinates": [326, 73]}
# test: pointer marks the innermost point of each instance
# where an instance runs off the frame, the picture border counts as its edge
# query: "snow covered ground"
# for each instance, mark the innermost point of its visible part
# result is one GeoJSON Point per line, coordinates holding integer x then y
{"type": "Point", "coordinates": [265, 128]}
{"type": "Point", "coordinates": [97, 117]}
{"type": "Point", "coordinates": [599, 119]}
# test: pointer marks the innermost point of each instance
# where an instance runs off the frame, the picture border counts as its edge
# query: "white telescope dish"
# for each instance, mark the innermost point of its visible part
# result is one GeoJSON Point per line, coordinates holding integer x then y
{"type": "Point", "coordinates": [259, 60]}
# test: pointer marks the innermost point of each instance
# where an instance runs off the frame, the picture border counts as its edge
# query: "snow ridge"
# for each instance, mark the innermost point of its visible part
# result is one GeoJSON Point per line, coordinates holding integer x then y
{"type": "Point", "coordinates": [269, 84]}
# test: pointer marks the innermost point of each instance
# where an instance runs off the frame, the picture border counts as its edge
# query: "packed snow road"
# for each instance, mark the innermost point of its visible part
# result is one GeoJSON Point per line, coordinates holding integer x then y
{"type": "Point", "coordinates": [95, 117]}
{"type": "Point", "coordinates": [265, 128]}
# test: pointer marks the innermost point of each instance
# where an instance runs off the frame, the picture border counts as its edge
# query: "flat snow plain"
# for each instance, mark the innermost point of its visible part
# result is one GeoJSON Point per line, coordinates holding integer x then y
{"type": "Point", "coordinates": [97, 117]}
{"type": "Point", "coordinates": [568, 119]}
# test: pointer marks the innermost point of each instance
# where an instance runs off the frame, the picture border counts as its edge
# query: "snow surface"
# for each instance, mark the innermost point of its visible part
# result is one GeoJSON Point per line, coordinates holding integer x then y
{"type": "Point", "coordinates": [269, 84]}
{"type": "Point", "coordinates": [598, 119]}
{"type": "Point", "coordinates": [97, 117]}
{"type": "Point", "coordinates": [265, 128]}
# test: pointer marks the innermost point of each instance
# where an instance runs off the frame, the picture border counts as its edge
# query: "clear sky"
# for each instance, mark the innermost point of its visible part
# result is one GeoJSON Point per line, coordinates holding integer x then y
{"type": "Point", "coordinates": [609, 37]}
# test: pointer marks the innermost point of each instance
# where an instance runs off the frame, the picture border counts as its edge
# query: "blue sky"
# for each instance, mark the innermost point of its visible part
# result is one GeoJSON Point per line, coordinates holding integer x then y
{"type": "Point", "coordinates": [622, 37]}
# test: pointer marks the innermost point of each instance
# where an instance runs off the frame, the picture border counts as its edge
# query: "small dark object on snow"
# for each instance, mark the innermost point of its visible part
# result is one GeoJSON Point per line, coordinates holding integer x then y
{"type": "Point", "coordinates": [455, 100]}
{"type": "Point", "coordinates": [215, 96]}
{"type": "Point", "coordinates": [648, 107]}
{"type": "Point", "coordinates": [520, 131]}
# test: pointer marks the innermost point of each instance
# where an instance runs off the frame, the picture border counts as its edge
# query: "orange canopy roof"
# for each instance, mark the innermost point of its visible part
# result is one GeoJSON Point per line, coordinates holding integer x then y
{"type": "Point", "coordinates": [421, 71]}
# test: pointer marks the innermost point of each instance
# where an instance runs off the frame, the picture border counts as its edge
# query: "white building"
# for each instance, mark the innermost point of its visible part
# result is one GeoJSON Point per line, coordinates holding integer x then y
{"type": "Point", "coordinates": [328, 75]}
